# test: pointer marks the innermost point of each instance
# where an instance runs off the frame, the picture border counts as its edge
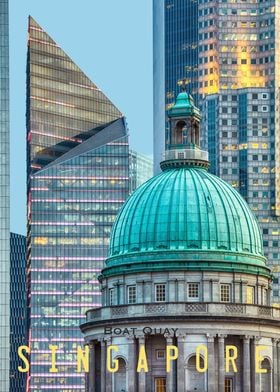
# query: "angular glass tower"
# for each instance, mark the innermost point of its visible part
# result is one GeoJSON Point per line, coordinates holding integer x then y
{"type": "Point", "coordinates": [78, 177]}
{"type": "Point", "coordinates": [18, 314]}
{"type": "Point", "coordinates": [4, 200]}
{"type": "Point", "coordinates": [141, 169]}
{"type": "Point", "coordinates": [235, 48]}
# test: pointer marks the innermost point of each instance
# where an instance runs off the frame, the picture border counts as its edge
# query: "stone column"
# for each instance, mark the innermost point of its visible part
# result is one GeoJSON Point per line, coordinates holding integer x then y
{"type": "Point", "coordinates": [181, 363]}
{"type": "Point", "coordinates": [140, 290]}
{"type": "Point", "coordinates": [212, 382]}
{"type": "Point", "coordinates": [170, 377]}
{"type": "Point", "coordinates": [257, 291]}
{"type": "Point", "coordinates": [275, 365]}
{"type": "Point", "coordinates": [121, 293]}
{"type": "Point", "coordinates": [246, 364]}
{"type": "Point", "coordinates": [278, 363]}
{"type": "Point", "coordinates": [215, 292]}
{"type": "Point", "coordinates": [244, 291]}
{"type": "Point", "coordinates": [206, 292]}
{"type": "Point", "coordinates": [131, 363]}
{"type": "Point", "coordinates": [142, 374]}
{"type": "Point", "coordinates": [103, 295]}
{"type": "Point", "coordinates": [118, 293]}
{"type": "Point", "coordinates": [236, 292]}
{"type": "Point", "coordinates": [193, 135]}
{"type": "Point", "coordinates": [221, 341]}
{"type": "Point", "coordinates": [176, 290]}
{"type": "Point", "coordinates": [255, 376]}
{"type": "Point", "coordinates": [172, 286]}
{"type": "Point", "coordinates": [269, 290]}
{"type": "Point", "coordinates": [181, 290]}
{"type": "Point", "coordinates": [148, 291]}
{"type": "Point", "coordinates": [103, 366]}
{"type": "Point", "coordinates": [108, 374]}
{"type": "Point", "coordinates": [91, 374]}
{"type": "Point", "coordinates": [233, 298]}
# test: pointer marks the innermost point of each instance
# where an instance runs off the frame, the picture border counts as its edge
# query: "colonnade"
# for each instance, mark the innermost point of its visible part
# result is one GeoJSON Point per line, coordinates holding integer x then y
{"type": "Point", "coordinates": [175, 380]}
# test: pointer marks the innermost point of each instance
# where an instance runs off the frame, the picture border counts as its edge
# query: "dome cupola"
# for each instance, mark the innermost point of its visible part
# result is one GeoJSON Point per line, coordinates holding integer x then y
{"type": "Point", "coordinates": [182, 147]}
{"type": "Point", "coordinates": [185, 218]}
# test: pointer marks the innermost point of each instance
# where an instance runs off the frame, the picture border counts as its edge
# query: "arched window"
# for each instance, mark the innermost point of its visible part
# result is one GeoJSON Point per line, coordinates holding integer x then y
{"type": "Point", "coordinates": [180, 133]}
{"type": "Point", "coordinates": [266, 377]}
{"type": "Point", "coordinates": [120, 377]}
{"type": "Point", "coordinates": [195, 381]}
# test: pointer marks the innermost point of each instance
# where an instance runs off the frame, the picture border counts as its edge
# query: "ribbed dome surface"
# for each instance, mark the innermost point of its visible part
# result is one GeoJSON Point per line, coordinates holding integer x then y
{"type": "Point", "coordinates": [186, 218]}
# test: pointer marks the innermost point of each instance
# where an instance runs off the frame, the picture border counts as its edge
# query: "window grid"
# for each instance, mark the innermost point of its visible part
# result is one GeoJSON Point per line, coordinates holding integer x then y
{"type": "Point", "coordinates": [160, 354]}
{"type": "Point", "coordinates": [160, 384]}
{"type": "Point", "coordinates": [225, 293]}
{"type": "Point", "coordinates": [193, 290]}
{"type": "Point", "coordinates": [160, 292]}
{"type": "Point", "coordinates": [228, 385]}
{"type": "Point", "coordinates": [250, 295]}
{"type": "Point", "coordinates": [131, 294]}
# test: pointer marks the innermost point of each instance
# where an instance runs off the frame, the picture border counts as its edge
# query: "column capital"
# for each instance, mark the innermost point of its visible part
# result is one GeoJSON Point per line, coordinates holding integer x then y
{"type": "Point", "coordinates": [107, 340]}
{"type": "Point", "coordinates": [141, 338]}
{"type": "Point", "coordinates": [221, 337]}
{"type": "Point", "coordinates": [180, 336]}
{"type": "Point", "coordinates": [256, 339]}
{"type": "Point", "coordinates": [130, 339]}
{"type": "Point", "coordinates": [210, 338]}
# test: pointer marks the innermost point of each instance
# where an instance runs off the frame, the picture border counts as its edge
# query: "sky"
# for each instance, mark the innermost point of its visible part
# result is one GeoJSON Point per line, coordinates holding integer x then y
{"type": "Point", "coordinates": [111, 41]}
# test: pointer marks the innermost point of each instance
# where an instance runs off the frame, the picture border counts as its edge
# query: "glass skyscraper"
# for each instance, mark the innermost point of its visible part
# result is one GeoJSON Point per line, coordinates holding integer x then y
{"type": "Point", "coordinates": [78, 177]}
{"type": "Point", "coordinates": [4, 200]}
{"type": "Point", "coordinates": [140, 169]}
{"type": "Point", "coordinates": [18, 313]}
{"type": "Point", "coordinates": [235, 47]}
{"type": "Point", "coordinates": [175, 58]}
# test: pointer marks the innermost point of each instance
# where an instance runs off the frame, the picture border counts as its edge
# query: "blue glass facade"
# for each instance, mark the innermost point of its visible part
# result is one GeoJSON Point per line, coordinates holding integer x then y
{"type": "Point", "coordinates": [181, 48]}
{"type": "Point", "coordinates": [243, 140]}
{"type": "Point", "coordinates": [212, 114]}
{"type": "Point", "coordinates": [18, 313]}
{"type": "Point", "coordinates": [159, 83]}
{"type": "Point", "coordinates": [175, 60]}
{"type": "Point", "coordinates": [4, 199]}
{"type": "Point", "coordinates": [78, 178]}
{"type": "Point", "coordinates": [238, 65]}
{"type": "Point", "coordinates": [140, 169]}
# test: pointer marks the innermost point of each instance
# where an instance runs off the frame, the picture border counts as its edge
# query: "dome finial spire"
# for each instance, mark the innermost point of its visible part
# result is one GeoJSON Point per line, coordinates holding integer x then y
{"type": "Point", "coordinates": [184, 84]}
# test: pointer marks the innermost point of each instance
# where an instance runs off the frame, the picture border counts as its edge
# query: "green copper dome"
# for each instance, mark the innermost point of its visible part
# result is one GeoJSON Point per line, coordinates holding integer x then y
{"type": "Point", "coordinates": [184, 106]}
{"type": "Point", "coordinates": [185, 219]}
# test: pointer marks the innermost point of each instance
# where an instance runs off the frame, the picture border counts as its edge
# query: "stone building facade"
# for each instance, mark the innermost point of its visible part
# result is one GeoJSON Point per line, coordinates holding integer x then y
{"type": "Point", "coordinates": [186, 289]}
